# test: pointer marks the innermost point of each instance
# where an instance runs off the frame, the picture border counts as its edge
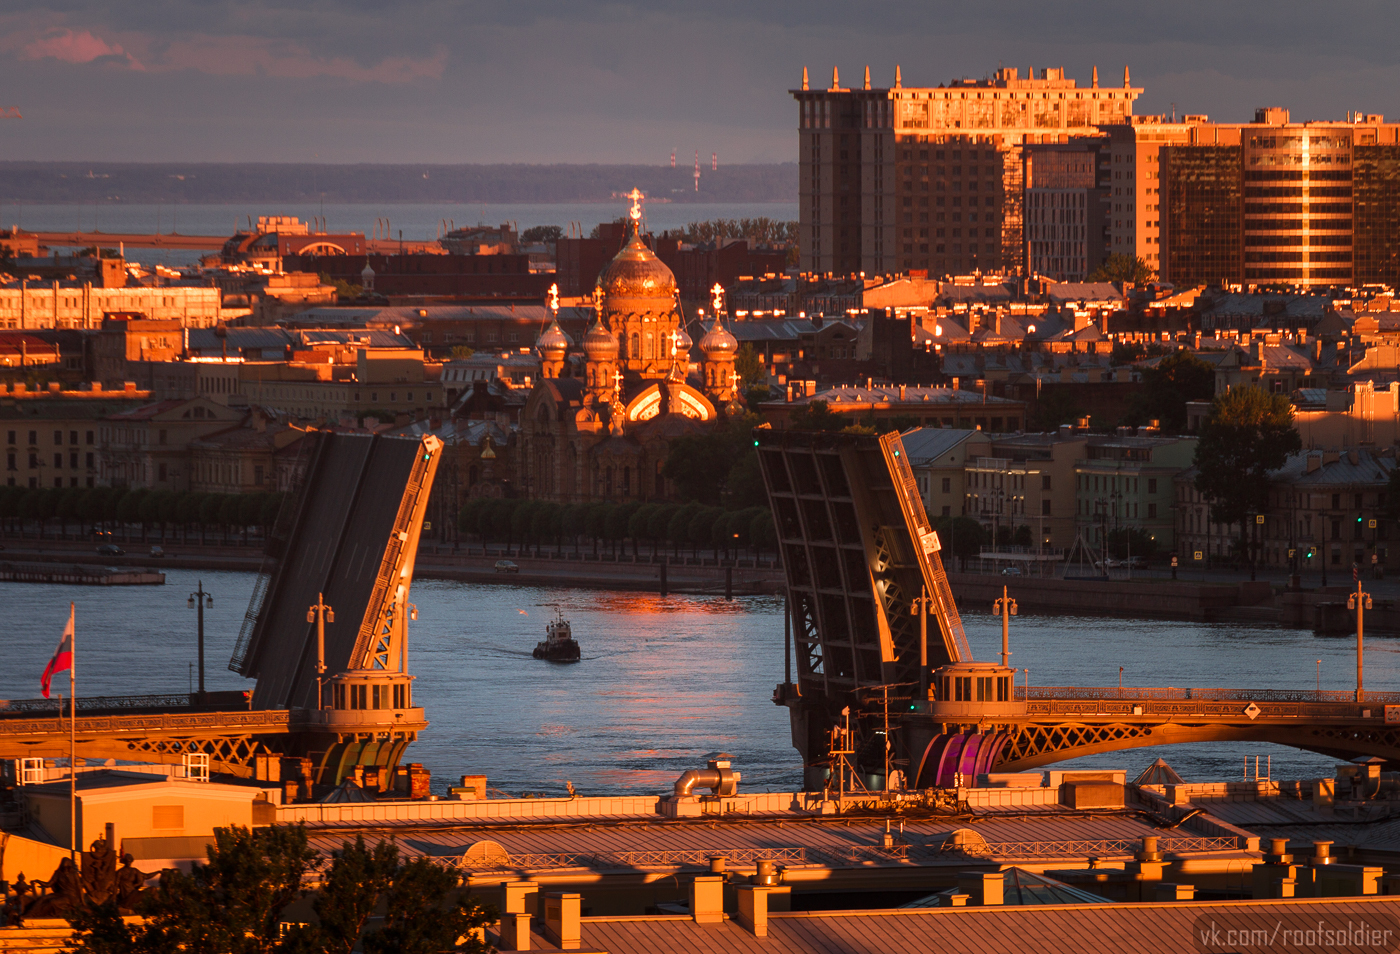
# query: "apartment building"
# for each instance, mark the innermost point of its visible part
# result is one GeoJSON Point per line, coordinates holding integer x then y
{"type": "Point", "coordinates": [1027, 480]}
{"type": "Point", "coordinates": [939, 457]}
{"type": "Point", "coordinates": [1126, 481]}
{"type": "Point", "coordinates": [52, 439]}
{"type": "Point", "coordinates": [1067, 189]}
{"type": "Point", "coordinates": [148, 446]}
{"type": "Point", "coordinates": [931, 178]}
{"type": "Point", "coordinates": [57, 304]}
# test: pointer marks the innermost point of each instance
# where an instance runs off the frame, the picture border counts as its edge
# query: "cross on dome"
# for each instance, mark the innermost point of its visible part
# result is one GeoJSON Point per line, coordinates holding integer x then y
{"type": "Point", "coordinates": [717, 298]}
{"type": "Point", "coordinates": [636, 211]}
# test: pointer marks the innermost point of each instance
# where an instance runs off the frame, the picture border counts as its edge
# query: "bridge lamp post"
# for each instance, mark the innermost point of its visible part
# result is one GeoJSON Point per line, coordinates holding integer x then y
{"type": "Point", "coordinates": [1359, 601]}
{"type": "Point", "coordinates": [320, 614]}
{"type": "Point", "coordinates": [1005, 608]}
{"type": "Point", "coordinates": [199, 600]}
{"type": "Point", "coordinates": [920, 608]}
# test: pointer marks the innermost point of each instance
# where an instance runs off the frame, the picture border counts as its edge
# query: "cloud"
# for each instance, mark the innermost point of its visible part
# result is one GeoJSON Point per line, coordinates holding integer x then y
{"type": "Point", "coordinates": [77, 47]}
{"type": "Point", "coordinates": [283, 59]}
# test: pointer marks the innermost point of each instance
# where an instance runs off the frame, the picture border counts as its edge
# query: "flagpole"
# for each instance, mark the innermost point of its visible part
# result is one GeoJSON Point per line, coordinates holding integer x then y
{"type": "Point", "coordinates": [73, 739]}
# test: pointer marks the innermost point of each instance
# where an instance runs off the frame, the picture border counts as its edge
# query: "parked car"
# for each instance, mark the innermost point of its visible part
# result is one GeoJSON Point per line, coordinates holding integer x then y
{"type": "Point", "coordinates": [157, 551]}
{"type": "Point", "coordinates": [110, 549]}
{"type": "Point", "coordinates": [506, 566]}
{"type": "Point", "coordinates": [1011, 571]}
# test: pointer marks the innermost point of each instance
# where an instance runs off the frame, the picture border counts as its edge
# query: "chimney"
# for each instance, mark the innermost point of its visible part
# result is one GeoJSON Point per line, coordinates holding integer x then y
{"type": "Point", "coordinates": [707, 899]}
{"type": "Point", "coordinates": [981, 887]}
{"type": "Point", "coordinates": [753, 908]}
{"type": "Point", "coordinates": [561, 919]}
{"type": "Point", "coordinates": [1314, 462]}
{"type": "Point", "coordinates": [901, 392]}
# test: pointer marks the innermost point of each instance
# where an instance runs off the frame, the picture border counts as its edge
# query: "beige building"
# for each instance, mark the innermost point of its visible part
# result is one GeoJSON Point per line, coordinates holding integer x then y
{"type": "Point", "coordinates": [148, 446]}
{"type": "Point", "coordinates": [1127, 481]}
{"type": "Point", "coordinates": [241, 459]}
{"type": "Point", "coordinates": [52, 437]}
{"type": "Point", "coordinates": [390, 382]}
{"type": "Point", "coordinates": [57, 305]}
{"type": "Point", "coordinates": [939, 457]}
{"type": "Point", "coordinates": [1364, 415]}
{"type": "Point", "coordinates": [1027, 480]}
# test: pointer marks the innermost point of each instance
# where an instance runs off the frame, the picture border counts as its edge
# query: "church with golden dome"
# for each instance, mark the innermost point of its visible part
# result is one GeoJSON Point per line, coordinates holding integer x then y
{"type": "Point", "coordinates": [599, 422]}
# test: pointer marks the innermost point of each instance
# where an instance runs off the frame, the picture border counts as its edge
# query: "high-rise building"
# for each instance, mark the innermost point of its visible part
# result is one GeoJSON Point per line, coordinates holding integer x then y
{"type": "Point", "coordinates": [1065, 210]}
{"type": "Point", "coordinates": [1278, 202]}
{"type": "Point", "coordinates": [930, 178]}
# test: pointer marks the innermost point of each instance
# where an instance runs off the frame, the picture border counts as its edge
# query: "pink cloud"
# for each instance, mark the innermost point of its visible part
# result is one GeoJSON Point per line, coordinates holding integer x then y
{"type": "Point", "coordinates": [79, 47]}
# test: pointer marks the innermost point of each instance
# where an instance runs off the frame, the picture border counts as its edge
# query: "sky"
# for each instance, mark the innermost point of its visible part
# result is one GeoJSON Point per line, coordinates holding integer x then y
{"type": "Point", "coordinates": [433, 81]}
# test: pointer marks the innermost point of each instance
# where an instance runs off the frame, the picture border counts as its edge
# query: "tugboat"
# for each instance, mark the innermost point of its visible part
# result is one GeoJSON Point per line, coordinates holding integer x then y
{"type": "Point", "coordinates": [559, 644]}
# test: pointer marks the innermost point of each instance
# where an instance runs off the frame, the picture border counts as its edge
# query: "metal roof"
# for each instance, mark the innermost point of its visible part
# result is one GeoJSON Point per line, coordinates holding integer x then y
{"type": "Point", "coordinates": [926, 444]}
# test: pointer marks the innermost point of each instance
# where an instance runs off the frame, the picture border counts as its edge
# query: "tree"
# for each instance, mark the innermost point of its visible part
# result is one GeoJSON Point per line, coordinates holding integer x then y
{"type": "Point", "coordinates": [1249, 432]}
{"type": "Point", "coordinates": [235, 904]}
{"type": "Point", "coordinates": [542, 233]}
{"type": "Point", "coordinates": [817, 416]}
{"type": "Point", "coordinates": [462, 351]}
{"type": "Point", "coordinates": [1176, 379]}
{"type": "Point", "coordinates": [749, 366]}
{"type": "Point", "coordinates": [232, 905]}
{"type": "Point", "coordinates": [699, 465]}
{"type": "Point", "coordinates": [1125, 269]}
{"type": "Point", "coordinates": [961, 536]}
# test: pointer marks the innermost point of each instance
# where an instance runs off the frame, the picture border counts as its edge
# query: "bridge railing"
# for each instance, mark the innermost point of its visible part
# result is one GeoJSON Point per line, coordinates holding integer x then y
{"type": "Point", "coordinates": [13, 708]}
{"type": "Point", "coordinates": [1171, 693]}
{"type": "Point", "coordinates": [1109, 847]}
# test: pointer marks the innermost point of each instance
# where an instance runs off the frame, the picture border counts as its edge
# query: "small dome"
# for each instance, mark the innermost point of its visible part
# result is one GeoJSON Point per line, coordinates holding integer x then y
{"type": "Point", "coordinates": [682, 342]}
{"type": "Point", "coordinates": [366, 273]}
{"type": "Point", "coordinates": [554, 338]}
{"type": "Point", "coordinates": [599, 342]}
{"type": "Point", "coordinates": [636, 272]}
{"type": "Point", "coordinates": [718, 342]}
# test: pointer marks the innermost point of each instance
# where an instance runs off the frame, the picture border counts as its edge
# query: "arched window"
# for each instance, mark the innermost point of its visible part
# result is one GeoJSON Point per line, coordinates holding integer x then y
{"type": "Point", "coordinates": [649, 351]}
{"type": "Point", "coordinates": [635, 350]}
{"type": "Point", "coordinates": [627, 479]}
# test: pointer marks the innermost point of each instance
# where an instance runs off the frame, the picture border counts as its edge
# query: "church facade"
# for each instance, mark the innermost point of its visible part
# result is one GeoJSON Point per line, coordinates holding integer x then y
{"type": "Point", "coordinates": [599, 422]}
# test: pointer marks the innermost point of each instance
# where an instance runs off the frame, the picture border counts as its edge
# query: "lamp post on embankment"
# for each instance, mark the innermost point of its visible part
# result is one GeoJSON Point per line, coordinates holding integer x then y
{"type": "Point", "coordinates": [199, 600]}
{"type": "Point", "coordinates": [1359, 601]}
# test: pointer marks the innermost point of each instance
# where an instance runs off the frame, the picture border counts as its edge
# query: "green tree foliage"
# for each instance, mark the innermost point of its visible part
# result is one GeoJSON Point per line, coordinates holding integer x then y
{"type": "Point", "coordinates": [1131, 541]}
{"type": "Point", "coordinates": [1176, 379]}
{"type": "Point", "coordinates": [1053, 408]}
{"type": "Point", "coordinates": [462, 351]}
{"type": "Point", "coordinates": [1125, 269]}
{"type": "Point", "coordinates": [744, 484]}
{"type": "Point", "coordinates": [756, 231]}
{"type": "Point", "coordinates": [343, 289]}
{"type": "Point", "coordinates": [699, 465]}
{"type": "Point", "coordinates": [1249, 432]}
{"type": "Point", "coordinates": [542, 233]}
{"type": "Point", "coordinates": [749, 366]}
{"type": "Point", "coordinates": [129, 506]}
{"type": "Point", "coordinates": [234, 904]}
{"type": "Point", "coordinates": [762, 532]}
{"type": "Point", "coordinates": [817, 416]}
{"type": "Point", "coordinates": [963, 537]}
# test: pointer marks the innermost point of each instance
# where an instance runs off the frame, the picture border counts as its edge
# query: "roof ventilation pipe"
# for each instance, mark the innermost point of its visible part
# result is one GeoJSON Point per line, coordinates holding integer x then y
{"type": "Point", "coordinates": [719, 778]}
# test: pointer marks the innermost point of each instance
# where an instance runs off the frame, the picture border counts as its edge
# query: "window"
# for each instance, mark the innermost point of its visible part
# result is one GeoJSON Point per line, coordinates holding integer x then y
{"type": "Point", "coordinates": [379, 697]}
{"type": "Point", "coordinates": [33, 437]}
{"type": "Point", "coordinates": [73, 460]}
{"type": "Point", "coordinates": [257, 473]}
{"type": "Point", "coordinates": [58, 437]}
{"type": "Point", "coordinates": [1152, 485]}
{"type": "Point", "coordinates": [357, 696]}
{"type": "Point", "coordinates": [1151, 511]}
{"type": "Point", "coordinates": [12, 437]}
{"type": "Point", "coordinates": [10, 462]}
{"type": "Point", "coordinates": [72, 437]}
{"type": "Point", "coordinates": [947, 485]}
{"type": "Point", "coordinates": [88, 462]}
{"type": "Point", "coordinates": [58, 461]}
{"type": "Point", "coordinates": [400, 696]}
{"type": "Point", "coordinates": [161, 472]}
{"type": "Point", "coordinates": [1044, 481]}
{"type": "Point", "coordinates": [163, 433]}
{"type": "Point", "coordinates": [338, 696]}
{"type": "Point", "coordinates": [1045, 508]}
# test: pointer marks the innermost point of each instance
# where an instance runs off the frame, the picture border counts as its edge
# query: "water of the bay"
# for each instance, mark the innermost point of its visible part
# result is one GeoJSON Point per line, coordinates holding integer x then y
{"type": "Point", "coordinates": [419, 223]}
{"type": "Point", "coordinates": [663, 682]}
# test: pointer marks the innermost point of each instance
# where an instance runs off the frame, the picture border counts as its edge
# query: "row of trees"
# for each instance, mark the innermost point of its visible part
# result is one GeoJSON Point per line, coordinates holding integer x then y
{"type": "Point", "coordinates": [691, 526]}
{"type": "Point", "coordinates": [235, 904]}
{"type": "Point", "coordinates": [93, 508]}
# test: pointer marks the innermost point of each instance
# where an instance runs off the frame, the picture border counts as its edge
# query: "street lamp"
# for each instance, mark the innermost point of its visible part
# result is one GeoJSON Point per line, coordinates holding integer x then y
{"type": "Point", "coordinates": [200, 600]}
{"type": "Point", "coordinates": [320, 614]}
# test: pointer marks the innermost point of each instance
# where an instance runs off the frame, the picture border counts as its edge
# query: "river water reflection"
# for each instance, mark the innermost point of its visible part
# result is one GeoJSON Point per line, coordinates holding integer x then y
{"type": "Point", "coordinates": [663, 682]}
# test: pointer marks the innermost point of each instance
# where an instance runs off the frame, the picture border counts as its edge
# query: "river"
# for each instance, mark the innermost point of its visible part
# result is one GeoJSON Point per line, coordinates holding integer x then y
{"type": "Point", "coordinates": [663, 682]}
{"type": "Point", "coordinates": [419, 223]}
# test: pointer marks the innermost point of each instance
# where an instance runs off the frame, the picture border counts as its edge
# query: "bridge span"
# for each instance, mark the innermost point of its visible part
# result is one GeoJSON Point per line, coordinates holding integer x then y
{"type": "Point", "coordinates": [879, 676]}
{"type": "Point", "coordinates": [199, 243]}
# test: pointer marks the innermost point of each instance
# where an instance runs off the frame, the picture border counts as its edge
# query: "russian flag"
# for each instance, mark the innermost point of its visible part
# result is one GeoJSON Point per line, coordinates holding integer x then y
{"type": "Point", "coordinates": [62, 657]}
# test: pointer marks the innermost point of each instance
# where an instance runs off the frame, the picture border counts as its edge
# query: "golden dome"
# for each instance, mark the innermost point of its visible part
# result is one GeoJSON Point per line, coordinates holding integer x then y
{"type": "Point", "coordinates": [599, 342]}
{"type": "Point", "coordinates": [718, 341]}
{"type": "Point", "coordinates": [636, 272]}
{"type": "Point", "coordinates": [554, 339]}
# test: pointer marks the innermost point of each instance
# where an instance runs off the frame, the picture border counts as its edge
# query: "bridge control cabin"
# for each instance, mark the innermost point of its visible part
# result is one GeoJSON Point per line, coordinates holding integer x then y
{"type": "Point", "coordinates": [972, 693]}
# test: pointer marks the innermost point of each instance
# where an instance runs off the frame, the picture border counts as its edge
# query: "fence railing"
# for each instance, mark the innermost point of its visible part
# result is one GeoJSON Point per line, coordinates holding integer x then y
{"type": "Point", "coordinates": [1170, 693]}
{"type": "Point", "coordinates": [90, 704]}
{"type": "Point", "coordinates": [1108, 847]}
{"type": "Point", "coordinates": [835, 856]}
